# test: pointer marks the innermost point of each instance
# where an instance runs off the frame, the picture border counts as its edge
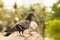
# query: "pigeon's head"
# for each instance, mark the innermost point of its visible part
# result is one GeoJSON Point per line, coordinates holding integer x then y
{"type": "Point", "coordinates": [29, 17]}
{"type": "Point", "coordinates": [31, 14]}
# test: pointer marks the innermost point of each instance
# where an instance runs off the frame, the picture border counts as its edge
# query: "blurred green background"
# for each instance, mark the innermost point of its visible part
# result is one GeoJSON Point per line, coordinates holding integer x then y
{"type": "Point", "coordinates": [48, 22]}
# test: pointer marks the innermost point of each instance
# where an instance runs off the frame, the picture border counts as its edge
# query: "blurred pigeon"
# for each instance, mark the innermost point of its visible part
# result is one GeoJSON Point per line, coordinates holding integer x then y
{"type": "Point", "coordinates": [21, 25]}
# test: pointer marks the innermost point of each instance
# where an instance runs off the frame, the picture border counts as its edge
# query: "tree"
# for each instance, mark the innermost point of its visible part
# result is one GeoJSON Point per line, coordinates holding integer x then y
{"type": "Point", "coordinates": [53, 29]}
{"type": "Point", "coordinates": [56, 10]}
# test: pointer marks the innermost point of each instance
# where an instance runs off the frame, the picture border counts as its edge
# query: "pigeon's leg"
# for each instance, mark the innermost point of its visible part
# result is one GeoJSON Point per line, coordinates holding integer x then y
{"type": "Point", "coordinates": [30, 30]}
{"type": "Point", "coordinates": [30, 33]}
{"type": "Point", "coordinates": [23, 34]}
{"type": "Point", "coordinates": [20, 33]}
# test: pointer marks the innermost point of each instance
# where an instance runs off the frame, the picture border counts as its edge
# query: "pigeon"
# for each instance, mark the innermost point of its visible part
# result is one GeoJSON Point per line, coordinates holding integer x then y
{"type": "Point", "coordinates": [21, 25]}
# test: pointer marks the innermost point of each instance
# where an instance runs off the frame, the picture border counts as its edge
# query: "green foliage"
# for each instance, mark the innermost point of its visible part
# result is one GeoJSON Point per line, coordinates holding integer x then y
{"type": "Point", "coordinates": [15, 5]}
{"type": "Point", "coordinates": [53, 29]}
{"type": "Point", "coordinates": [56, 10]}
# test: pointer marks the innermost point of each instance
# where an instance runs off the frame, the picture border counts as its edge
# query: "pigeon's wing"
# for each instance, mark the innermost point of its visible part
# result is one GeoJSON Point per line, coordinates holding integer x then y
{"type": "Point", "coordinates": [24, 23]}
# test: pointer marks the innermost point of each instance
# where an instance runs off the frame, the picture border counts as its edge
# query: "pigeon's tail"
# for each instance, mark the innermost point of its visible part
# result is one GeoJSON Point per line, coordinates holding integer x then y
{"type": "Point", "coordinates": [10, 31]}
{"type": "Point", "coordinates": [7, 34]}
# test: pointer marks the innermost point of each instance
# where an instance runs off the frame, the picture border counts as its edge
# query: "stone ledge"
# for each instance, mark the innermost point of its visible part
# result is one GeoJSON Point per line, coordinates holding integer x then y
{"type": "Point", "coordinates": [15, 36]}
